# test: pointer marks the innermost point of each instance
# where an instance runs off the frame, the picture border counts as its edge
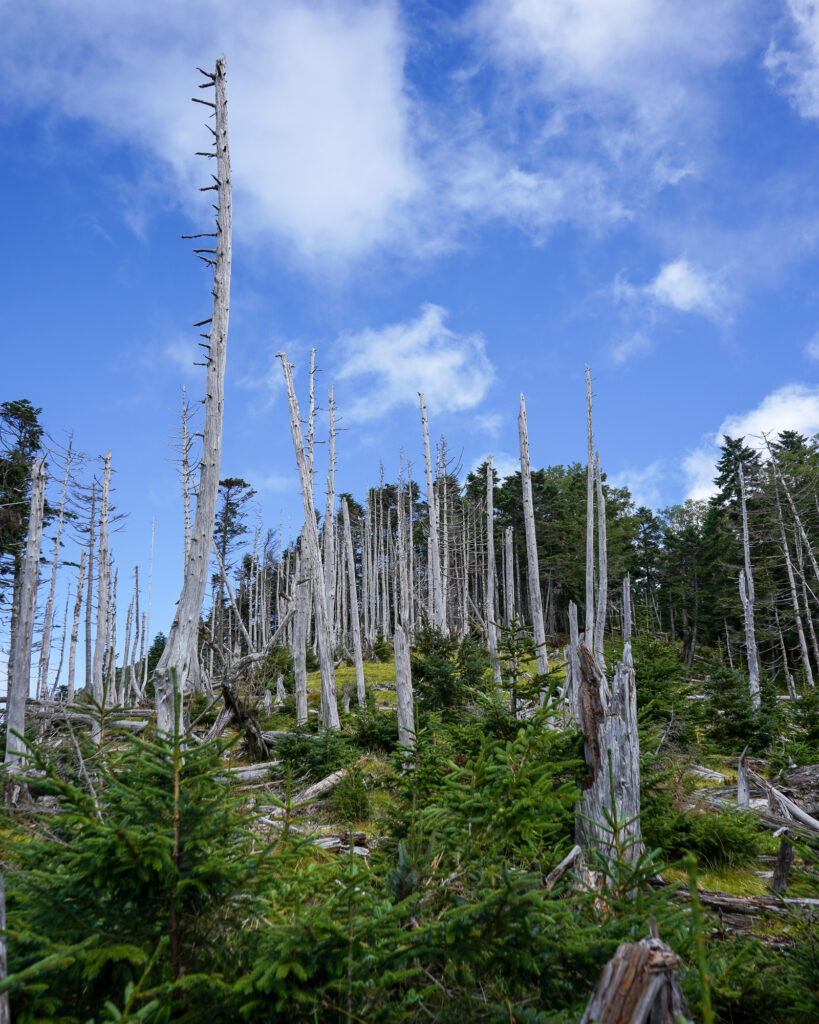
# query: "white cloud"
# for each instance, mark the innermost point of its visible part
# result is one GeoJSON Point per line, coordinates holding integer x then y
{"type": "Point", "coordinates": [683, 286]}
{"type": "Point", "coordinates": [636, 345]}
{"type": "Point", "coordinates": [791, 407]}
{"type": "Point", "coordinates": [391, 365]}
{"type": "Point", "coordinates": [181, 353]}
{"type": "Point", "coordinates": [489, 423]}
{"type": "Point", "coordinates": [796, 70]}
{"type": "Point", "coordinates": [319, 120]}
{"type": "Point", "coordinates": [644, 484]}
{"type": "Point", "coordinates": [647, 60]}
{"type": "Point", "coordinates": [811, 350]}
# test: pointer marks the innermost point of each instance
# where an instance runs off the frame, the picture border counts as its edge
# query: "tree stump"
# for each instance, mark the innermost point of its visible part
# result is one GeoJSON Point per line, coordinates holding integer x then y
{"type": "Point", "coordinates": [639, 984]}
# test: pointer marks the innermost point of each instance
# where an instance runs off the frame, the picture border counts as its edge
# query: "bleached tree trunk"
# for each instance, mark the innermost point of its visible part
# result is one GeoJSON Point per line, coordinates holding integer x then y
{"type": "Point", "coordinates": [137, 623]}
{"type": "Point", "coordinates": [627, 612]}
{"type": "Point", "coordinates": [403, 680]}
{"type": "Point", "coordinates": [589, 518]}
{"type": "Point", "coordinates": [443, 524]}
{"type": "Point", "coordinates": [89, 594]}
{"type": "Point", "coordinates": [20, 681]}
{"type": "Point", "coordinates": [533, 574]}
{"type": "Point", "coordinates": [792, 585]}
{"type": "Point", "coordinates": [125, 681]}
{"type": "Point", "coordinates": [330, 524]}
{"type": "Point", "coordinates": [312, 554]}
{"type": "Point", "coordinates": [75, 629]}
{"type": "Point", "coordinates": [814, 646]}
{"type": "Point", "coordinates": [56, 682]}
{"type": "Point", "coordinates": [508, 575]}
{"type": "Point", "coordinates": [300, 624]}
{"type": "Point", "coordinates": [602, 571]}
{"type": "Point", "coordinates": [146, 631]}
{"type": "Point", "coordinates": [181, 651]}
{"type": "Point", "coordinates": [361, 693]}
{"type": "Point", "coordinates": [491, 616]}
{"type": "Point", "coordinates": [796, 517]}
{"type": "Point", "coordinates": [45, 644]}
{"type": "Point", "coordinates": [574, 690]}
{"type": "Point", "coordinates": [437, 609]}
{"type": "Point", "coordinates": [405, 591]}
{"type": "Point", "coordinates": [746, 594]}
{"type": "Point", "coordinates": [101, 642]}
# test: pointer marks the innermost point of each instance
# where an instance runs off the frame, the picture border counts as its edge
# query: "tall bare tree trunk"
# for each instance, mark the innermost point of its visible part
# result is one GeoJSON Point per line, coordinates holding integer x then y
{"type": "Point", "coordinates": [508, 575]}
{"type": "Point", "coordinates": [792, 585]}
{"type": "Point", "coordinates": [300, 624]}
{"type": "Point", "coordinates": [361, 693]}
{"type": "Point", "coordinates": [181, 651]}
{"type": "Point", "coordinates": [589, 519]}
{"type": "Point", "coordinates": [437, 609]}
{"type": "Point", "coordinates": [491, 615]}
{"type": "Point", "coordinates": [330, 524]}
{"type": "Point", "coordinates": [89, 594]}
{"type": "Point", "coordinates": [101, 642]}
{"type": "Point", "coordinates": [45, 644]}
{"type": "Point", "coordinates": [602, 571]}
{"type": "Point", "coordinates": [312, 554]}
{"type": "Point", "coordinates": [146, 629]}
{"type": "Point", "coordinates": [403, 680]}
{"type": "Point", "coordinates": [535, 602]}
{"type": "Point", "coordinates": [20, 681]}
{"type": "Point", "coordinates": [746, 594]}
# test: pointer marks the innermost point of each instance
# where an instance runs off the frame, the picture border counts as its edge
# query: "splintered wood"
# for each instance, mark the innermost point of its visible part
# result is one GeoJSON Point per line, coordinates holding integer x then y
{"type": "Point", "coordinates": [639, 984]}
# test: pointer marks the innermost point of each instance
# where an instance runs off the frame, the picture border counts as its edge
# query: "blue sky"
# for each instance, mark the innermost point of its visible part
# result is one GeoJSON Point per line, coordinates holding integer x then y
{"type": "Point", "coordinates": [470, 199]}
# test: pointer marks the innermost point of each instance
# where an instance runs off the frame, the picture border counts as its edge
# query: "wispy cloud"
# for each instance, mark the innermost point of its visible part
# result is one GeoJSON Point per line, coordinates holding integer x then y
{"type": "Point", "coordinates": [791, 407]}
{"type": "Point", "coordinates": [794, 66]}
{"type": "Point", "coordinates": [392, 364]}
{"type": "Point", "coordinates": [319, 117]}
{"type": "Point", "coordinates": [682, 286]}
{"type": "Point", "coordinates": [629, 348]}
{"type": "Point", "coordinates": [811, 350]}
{"type": "Point", "coordinates": [644, 484]}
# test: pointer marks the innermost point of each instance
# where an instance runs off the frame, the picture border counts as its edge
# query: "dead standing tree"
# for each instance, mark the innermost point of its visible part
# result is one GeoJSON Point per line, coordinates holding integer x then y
{"type": "Point", "coordinates": [181, 651]}
{"type": "Point", "coordinates": [312, 556]}
{"type": "Point", "coordinates": [20, 680]}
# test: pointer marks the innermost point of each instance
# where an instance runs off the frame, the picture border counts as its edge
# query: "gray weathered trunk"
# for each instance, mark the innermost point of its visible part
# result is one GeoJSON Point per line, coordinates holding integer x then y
{"type": "Point", "coordinates": [181, 651]}
{"type": "Point", "coordinates": [75, 630]}
{"type": "Point", "coordinates": [533, 567]}
{"type": "Point", "coordinates": [602, 571]}
{"type": "Point", "coordinates": [508, 575]}
{"type": "Point", "coordinates": [45, 644]}
{"type": "Point", "coordinates": [101, 642]}
{"type": "Point", "coordinates": [589, 635]}
{"type": "Point", "coordinates": [746, 594]}
{"type": "Point", "coordinates": [300, 623]}
{"type": "Point", "coordinates": [403, 680]}
{"type": "Point", "coordinates": [355, 623]}
{"type": "Point", "coordinates": [491, 614]}
{"type": "Point", "coordinates": [437, 608]}
{"type": "Point", "coordinates": [312, 556]}
{"type": "Point", "coordinates": [19, 683]}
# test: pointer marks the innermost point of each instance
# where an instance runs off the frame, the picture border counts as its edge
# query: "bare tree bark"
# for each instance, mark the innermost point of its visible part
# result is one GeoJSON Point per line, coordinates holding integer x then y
{"type": "Point", "coordinates": [746, 594]}
{"type": "Point", "coordinates": [181, 651]}
{"type": "Point", "coordinates": [491, 616]}
{"type": "Point", "coordinates": [792, 584]}
{"type": "Point", "coordinates": [146, 631]}
{"type": "Point", "coordinates": [361, 693]}
{"type": "Point", "coordinates": [437, 609]}
{"type": "Point", "coordinates": [20, 681]}
{"type": "Point", "coordinates": [602, 570]}
{"type": "Point", "coordinates": [329, 532]}
{"type": "Point", "coordinates": [508, 575]}
{"type": "Point", "coordinates": [533, 574]}
{"type": "Point", "coordinates": [300, 623]}
{"type": "Point", "coordinates": [589, 519]}
{"type": "Point", "coordinates": [312, 554]}
{"type": "Point", "coordinates": [101, 642]}
{"type": "Point", "coordinates": [403, 680]}
{"type": "Point", "coordinates": [89, 594]}
{"type": "Point", "coordinates": [45, 643]}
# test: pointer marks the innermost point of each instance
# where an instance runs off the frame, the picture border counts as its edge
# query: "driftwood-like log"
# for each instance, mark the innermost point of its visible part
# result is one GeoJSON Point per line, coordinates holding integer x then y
{"type": "Point", "coordinates": [248, 722]}
{"type": "Point", "coordinates": [640, 984]}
